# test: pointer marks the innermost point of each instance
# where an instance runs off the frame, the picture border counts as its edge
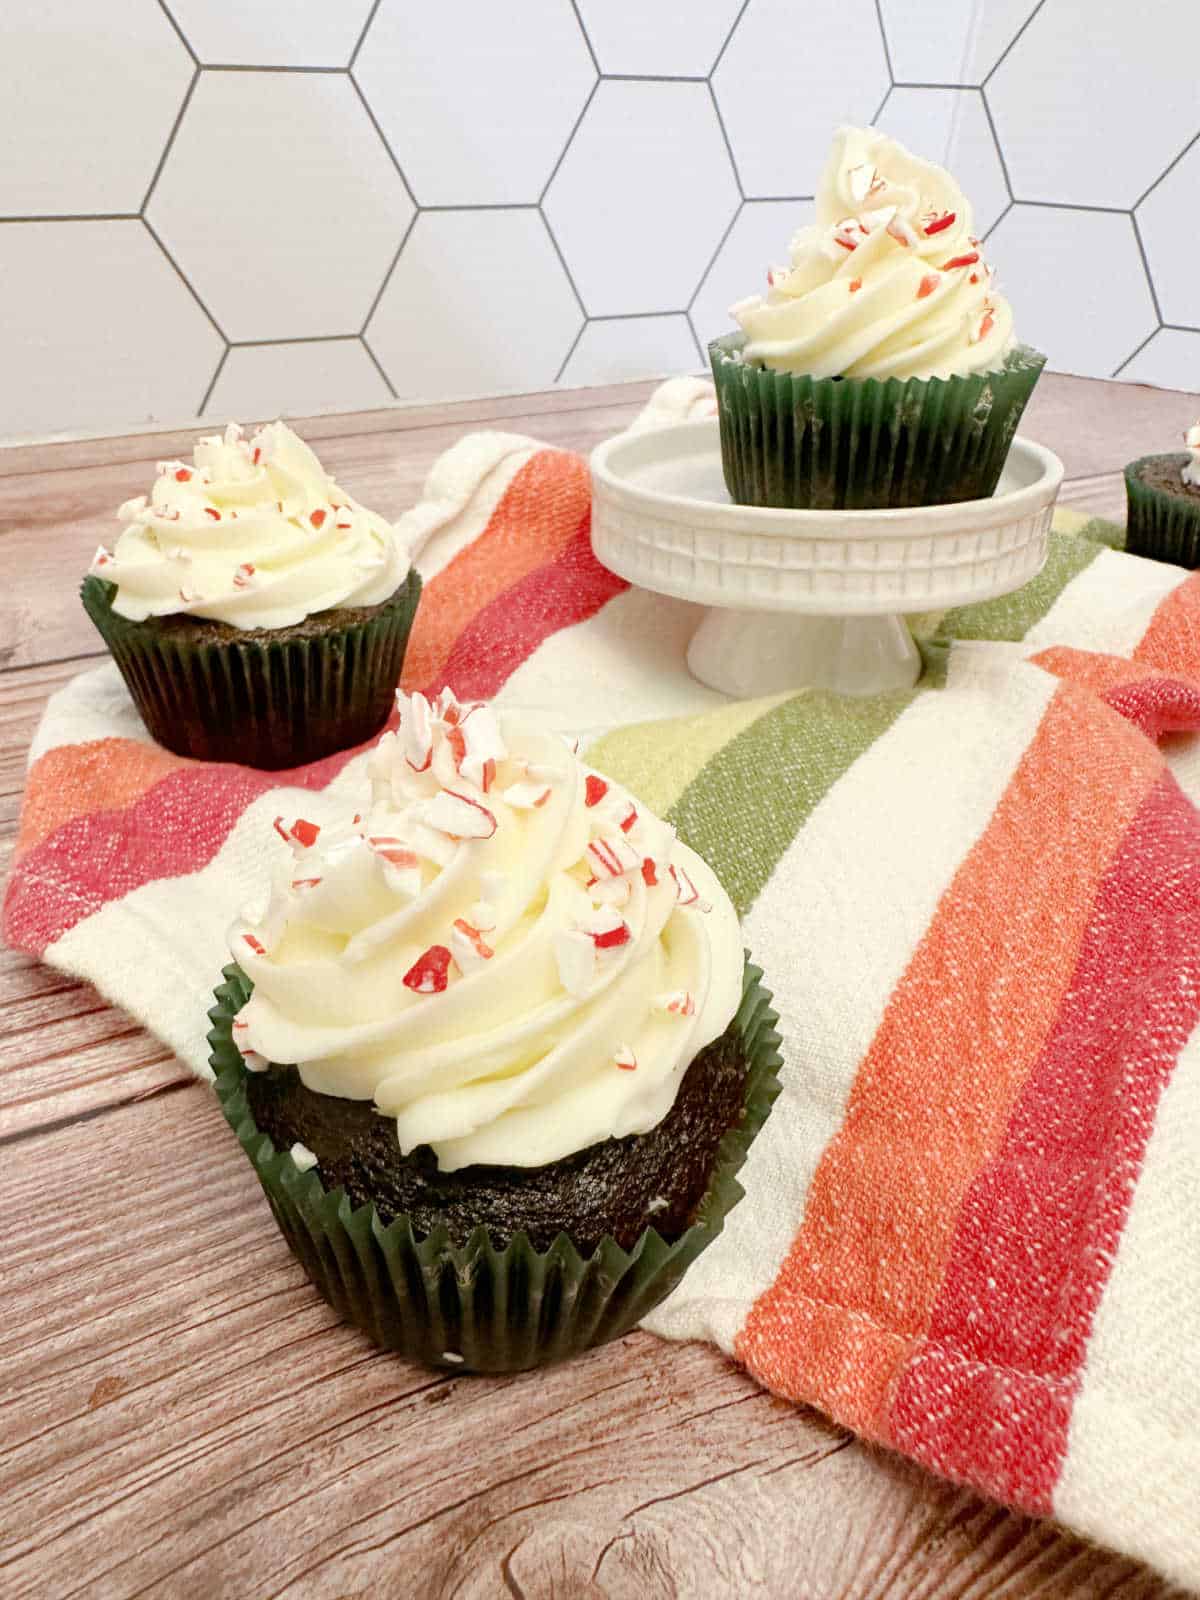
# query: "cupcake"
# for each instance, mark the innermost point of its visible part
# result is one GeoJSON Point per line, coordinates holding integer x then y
{"type": "Point", "coordinates": [880, 368]}
{"type": "Point", "coordinates": [257, 613]}
{"type": "Point", "coordinates": [1163, 496]}
{"type": "Point", "coordinates": [493, 1047]}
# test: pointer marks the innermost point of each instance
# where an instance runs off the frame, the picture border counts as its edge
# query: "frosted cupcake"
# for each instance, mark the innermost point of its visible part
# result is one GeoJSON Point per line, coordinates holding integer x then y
{"type": "Point", "coordinates": [257, 612]}
{"type": "Point", "coordinates": [524, 1054]}
{"type": "Point", "coordinates": [1163, 497]}
{"type": "Point", "coordinates": [881, 367]}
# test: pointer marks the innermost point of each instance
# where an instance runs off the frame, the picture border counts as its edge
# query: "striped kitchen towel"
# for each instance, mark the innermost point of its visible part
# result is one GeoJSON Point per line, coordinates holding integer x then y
{"type": "Point", "coordinates": [972, 1224]}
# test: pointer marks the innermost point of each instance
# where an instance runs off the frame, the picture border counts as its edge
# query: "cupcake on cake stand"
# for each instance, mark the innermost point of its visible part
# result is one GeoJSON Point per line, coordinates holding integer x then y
{"type": "Point", "coordinates": [863, 465]}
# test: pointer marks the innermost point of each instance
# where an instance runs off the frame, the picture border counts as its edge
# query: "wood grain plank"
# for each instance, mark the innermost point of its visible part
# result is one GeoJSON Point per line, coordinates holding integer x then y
{"type": "Point", "coordinates": [183, 1415]}
{"type": "Point", "coordinates": [98, 449]}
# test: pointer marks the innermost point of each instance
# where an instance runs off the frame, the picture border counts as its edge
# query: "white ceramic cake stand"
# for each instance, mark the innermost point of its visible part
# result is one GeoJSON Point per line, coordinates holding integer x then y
{"type": "Point", "coordinates": [808, 598]}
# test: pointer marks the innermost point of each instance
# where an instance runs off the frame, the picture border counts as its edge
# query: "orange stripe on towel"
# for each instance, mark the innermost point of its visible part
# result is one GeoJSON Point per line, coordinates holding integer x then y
{"type": "Point", "coordinates": [1172, 641]}
{"type": "Point", "coordinates": [932, 1099]}
{"type": "Point", "coordinates": [537, 517]}
{"type": "Point", "coordinates": [73, 780]}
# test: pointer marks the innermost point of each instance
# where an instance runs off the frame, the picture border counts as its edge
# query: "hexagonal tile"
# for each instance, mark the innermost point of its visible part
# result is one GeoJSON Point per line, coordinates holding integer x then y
{"type": "Point", "coordinates": [476, 108]}
{"type": "Point", "coordinates": [1171, 360]}
{"type": "Point", "coordinates": [950, 126]}
{"type": "Point", "coordinates": [257, 33]}
{"type": "Point", "coordinates": [281, 204]}
{"type": "Point", "coordinates": [100, 328]}
{"type": "Point", "coordinates": [758, 239]}
{"type": "Point", "coordinates": [633, 38]}
{"type": "Point", "coordinates": [642, 197]}
{"type": "Point", "coordinates": [1058, 144]}
{"type": "Point", "coordinates": [615, 349]}
{"type": "Point", "coordinates": [1166, 220]}
{"type": "Point", "coordinates": [945, 41]}
{"type": "Point", "coordinates": [442, 333]}
{"type": "Point", "coordinates": [1086, 322]}
{"type": "Point", "coordinates": [89, 96]}
{"type": "Point", "coordinates": [788, 78]}
{"type": "Point", "coordinates": [258, 382]}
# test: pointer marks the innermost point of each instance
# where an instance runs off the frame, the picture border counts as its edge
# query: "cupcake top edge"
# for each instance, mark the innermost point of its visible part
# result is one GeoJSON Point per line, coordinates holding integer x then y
{"type": "Point", "coordinates": [888, 282]}
{"type": "Point", "coordinates": [252, 532]}
{"type": "Point", "coordinates": [1191, 467]}
{"type": "Point", "coordinates": [500, 948]}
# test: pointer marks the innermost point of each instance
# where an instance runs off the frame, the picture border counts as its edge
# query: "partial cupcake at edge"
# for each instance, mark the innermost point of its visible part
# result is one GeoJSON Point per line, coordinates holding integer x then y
{"type": "Point", "coordinates": [493, 1046]}
{"type": "Point", "coordinates": [256, 611]}
{"type": "Point", "coordinates": [880, 368]}
{"type": "Point", "coordinates": [1162, 494]}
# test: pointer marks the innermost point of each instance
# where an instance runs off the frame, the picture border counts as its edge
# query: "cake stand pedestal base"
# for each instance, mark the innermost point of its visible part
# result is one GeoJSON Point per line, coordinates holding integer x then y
{"type": "Point", "coordinates": [748, 654]}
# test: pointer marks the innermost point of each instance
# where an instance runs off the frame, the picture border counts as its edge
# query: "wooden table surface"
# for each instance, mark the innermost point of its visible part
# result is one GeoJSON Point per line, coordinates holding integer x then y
{"type": "Point", "coordinates": [183, 1415]}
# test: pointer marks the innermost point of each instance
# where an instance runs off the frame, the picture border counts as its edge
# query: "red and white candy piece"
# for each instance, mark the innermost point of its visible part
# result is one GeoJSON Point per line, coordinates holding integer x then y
{"type": "Point", "coordinates": [625, 1059]}
{"type": "Point", "coordinates": [429, 973]}
{"type": "Point", "coordinates": [468, 946]}
{"type": "Point", "coordinates": [402, 866]}
{"type": "Point", "coordinates": [102, 558]}
{"type": "Point", "coordinates": [678, 1002]}
{"type": "Point", "coordinates": [481, 746]}
{"type": "Point", "coordinates": [416, 730]}
{"type": "Point", "coordinates": [650, 872]}
{"type": "Point", "coordinates": [967, 260]}
{"type": "Point", "coordinates": [927, 285]}
{"type": "Point", "coordinates": [305, 883]}
{"type": "Point", "coordinates": [254, 1061]}
{"type": "Point", "coordinates": [297, 830]}
{"type": "Point", "coordinates": [594, 789]}
{"type": "Point", "coordinates": [575, 957]}
{"type": "Point", "coordinates": [527, 796]}
{"type": "Point", "coordinates": [457, 815]}
{"type": "Point", "coordinates": [243, 578]}
{"type": "Point", "coordinates": [935, 222]}
{"type": "Point", "coordinates": [483, 916]}
{"type": "Point", "coordinates": [625, 815]}
{"type": "Point", "coordinates": [612, 857]}
{"type": "Point", "coordinates": [686, 892]}
{"type": "Point", "coordinates": [902, 232]}
{"type": "Point", "coordinates": [256, 945]}
{"type": "Point", "coordinates": [607, 928]}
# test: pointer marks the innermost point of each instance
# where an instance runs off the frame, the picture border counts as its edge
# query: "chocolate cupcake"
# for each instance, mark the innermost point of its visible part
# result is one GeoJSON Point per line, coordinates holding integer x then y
{"type": "Point", "coordinates": [880, 368]}
{"type": "Point", "coordinates": [257, 613]}
{"type": "Point", "coordinates": [494, 1049]}
{"type": "Point", "coordinates": [1163, 499]}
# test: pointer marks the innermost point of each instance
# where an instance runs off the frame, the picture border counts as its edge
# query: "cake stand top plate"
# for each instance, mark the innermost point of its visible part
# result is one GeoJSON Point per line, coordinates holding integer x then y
{"type": "Point", "coordinates": [662, 518]}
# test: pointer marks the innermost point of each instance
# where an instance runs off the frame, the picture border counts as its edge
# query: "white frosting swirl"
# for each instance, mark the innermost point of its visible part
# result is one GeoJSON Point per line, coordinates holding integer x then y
{"type": "Point", "coordinates": [888, 283]}
{"type": "Point", "coordinates": [1191, 467]}
{"type": "Point", "coordinates": [505, 952]}
{"type": "Point", "coordinates": [250, 532]}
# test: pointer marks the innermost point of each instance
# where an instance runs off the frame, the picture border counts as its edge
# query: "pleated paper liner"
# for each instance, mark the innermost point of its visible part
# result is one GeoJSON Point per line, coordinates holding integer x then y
{"type": "Point", "coordinates": [863, 443]}
{"type": "Point", "coordinates": [1163, 526]}
{"type": "Point", "coordinates": [472, 1306]}
{"type": "Point", "coordinates": [268, 697]}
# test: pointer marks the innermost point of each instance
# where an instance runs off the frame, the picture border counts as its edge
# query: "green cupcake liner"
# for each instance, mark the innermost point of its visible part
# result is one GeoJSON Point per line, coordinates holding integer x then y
{"type": "Point", "coordinates": [267, 698]}
{"type": "Point", "coordinates": [474, 1307]}
{"type": "Point", "coordinates": [1165, 527]}
{"type": "Point", "coordinates": [863, 443]}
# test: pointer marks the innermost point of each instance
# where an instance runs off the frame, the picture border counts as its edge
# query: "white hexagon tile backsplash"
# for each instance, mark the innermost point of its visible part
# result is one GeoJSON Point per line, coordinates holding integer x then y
{"type": "Point", "coordinates": [292, 205]}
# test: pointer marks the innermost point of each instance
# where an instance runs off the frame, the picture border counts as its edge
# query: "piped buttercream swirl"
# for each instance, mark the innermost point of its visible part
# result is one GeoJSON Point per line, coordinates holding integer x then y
{"type": "Point", "coordinates": [1191, 467]}
{"type": "Point", "coordinates": [889, 282]}
{"type": "Point", "coordinates": [252, 532]}
{"type": "Point", "coordinates": [503, 951]}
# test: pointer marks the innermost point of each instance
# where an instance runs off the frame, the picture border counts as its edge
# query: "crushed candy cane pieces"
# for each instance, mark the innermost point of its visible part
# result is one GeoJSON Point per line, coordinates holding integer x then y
{"type": "Point", "coordinates": [678, 1002]}
{"type": "Point", "coordinates": [429, 973]}
{"type": "Point", "coordinates": [575, 957]}
{"type": "Point", "coordinates": [594, 790]}
{"type": "Point", "coordinates": [625, 1059]}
